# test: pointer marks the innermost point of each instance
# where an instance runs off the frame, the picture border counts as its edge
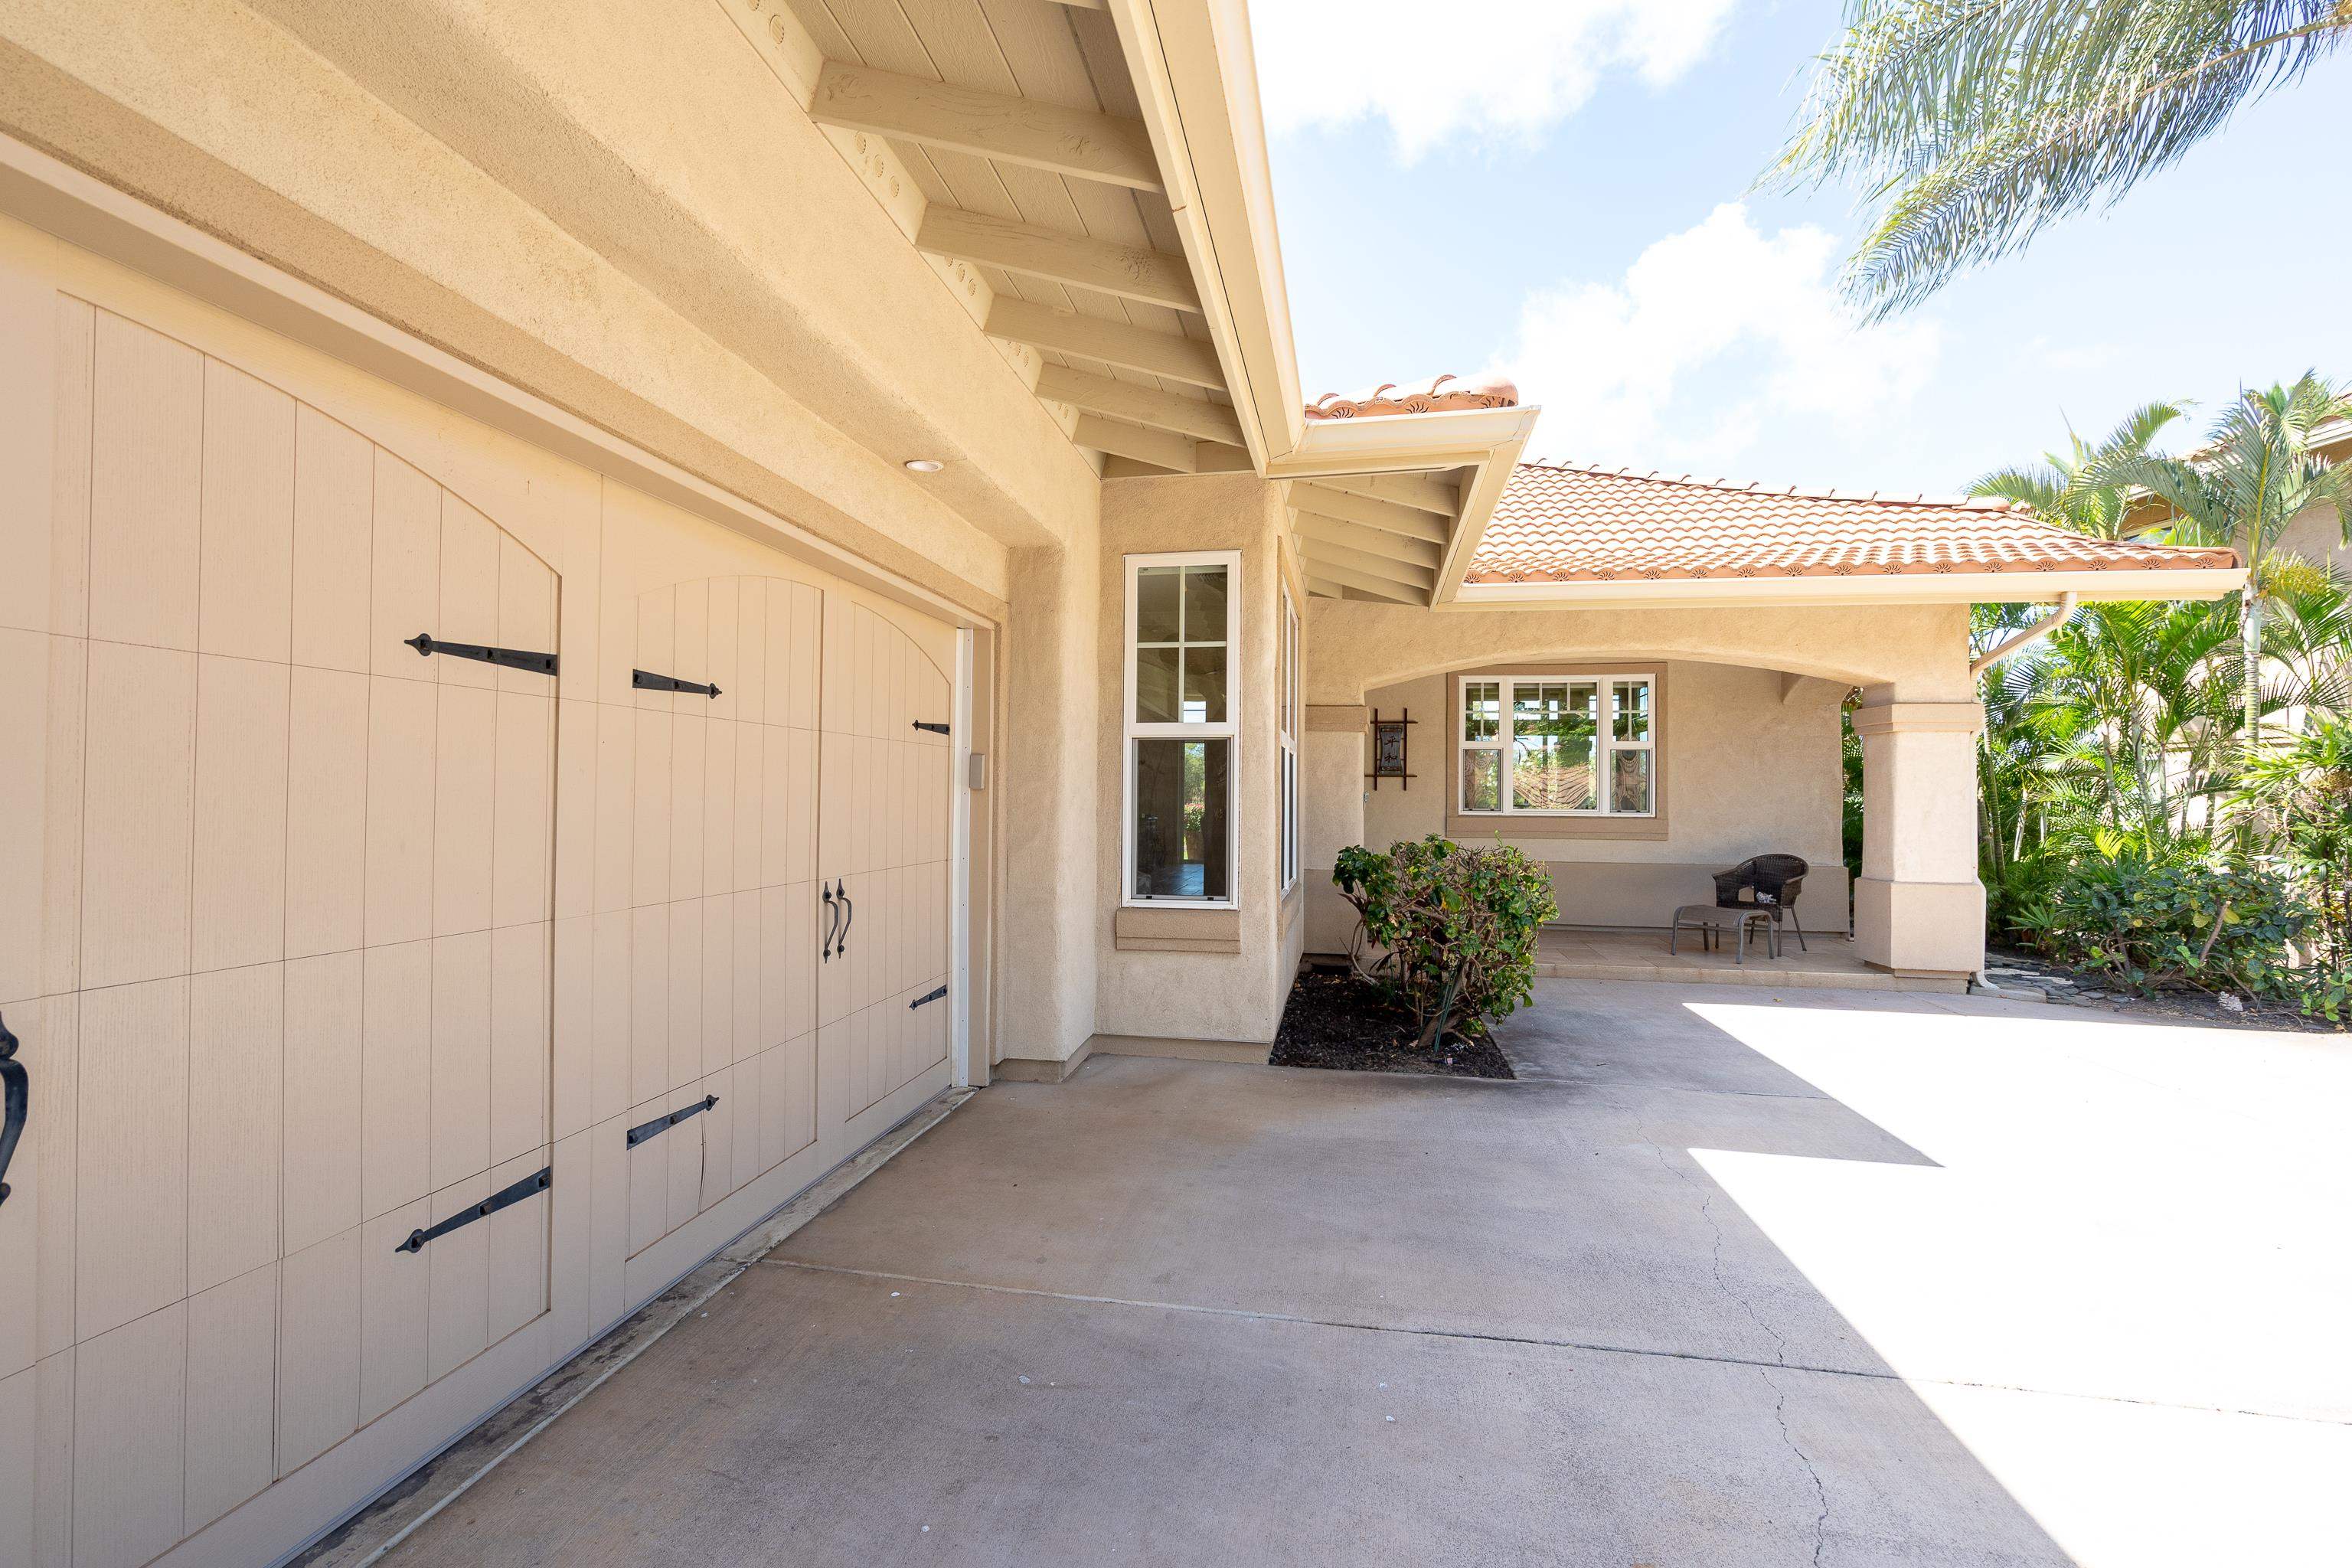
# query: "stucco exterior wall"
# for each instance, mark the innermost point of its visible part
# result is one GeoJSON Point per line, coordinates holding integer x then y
{"type": "Point", "coordinates": [2316, 533]}
{"type": "Point", "coordinates": [620, 208]}
{"type": "Point", "coordinates": [1199, 995]}
{"type": "Point", "coordinates": [1750, 765]}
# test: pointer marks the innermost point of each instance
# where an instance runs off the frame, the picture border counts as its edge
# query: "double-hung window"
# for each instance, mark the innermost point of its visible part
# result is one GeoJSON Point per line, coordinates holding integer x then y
{"type": "Point", "coordinates": [1551, 745]}
{"type": "Point", "coordinates": [1182, 702]}
{"type": "Point", "coordinates": [1289, 727]}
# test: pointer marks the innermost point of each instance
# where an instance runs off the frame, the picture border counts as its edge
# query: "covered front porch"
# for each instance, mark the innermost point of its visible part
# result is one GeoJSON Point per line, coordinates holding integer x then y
{"type": "Point", "coordinates": [1826, 960]}
{"type": "Point", "coordinates": [1643, 681]}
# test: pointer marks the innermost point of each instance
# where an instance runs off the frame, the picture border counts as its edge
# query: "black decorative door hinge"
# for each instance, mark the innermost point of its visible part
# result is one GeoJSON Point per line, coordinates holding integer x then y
{"type": "Point", "coordinates": [426, 645]}
{"type": "Point", "coordinates": [934, 729]}
{"type": "Point", "coordinates": [17, 1088]}
{"type": "Point", "coordinates": [528, 1186]}
{"type": "Point", "coordinates": [646, 680]}
{"type": "Point", "coordinates": [661, 1124]}
{"type": "Point", "coordinates": [927, 997]}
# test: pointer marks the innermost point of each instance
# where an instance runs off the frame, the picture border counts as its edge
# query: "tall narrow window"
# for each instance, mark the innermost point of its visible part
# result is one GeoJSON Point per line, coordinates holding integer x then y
{"type": "Point", "coordinates": [1289, 726]}
{"type": "Point", "coordinates": [1182, 702]}
{"type": "Point", "coordinates": [1559, 745]}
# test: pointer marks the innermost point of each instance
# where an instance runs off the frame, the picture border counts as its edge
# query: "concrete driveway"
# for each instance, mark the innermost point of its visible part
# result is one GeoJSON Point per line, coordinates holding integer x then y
{"type": "Point", "coordinates": [1819, 1278]}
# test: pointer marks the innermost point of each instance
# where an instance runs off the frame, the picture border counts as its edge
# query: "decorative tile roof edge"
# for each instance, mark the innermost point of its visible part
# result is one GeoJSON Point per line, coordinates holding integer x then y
{"type": "Point", "coordinates": [1440, 393]}
{"type": "Point", "coordinates": [1758, 488]}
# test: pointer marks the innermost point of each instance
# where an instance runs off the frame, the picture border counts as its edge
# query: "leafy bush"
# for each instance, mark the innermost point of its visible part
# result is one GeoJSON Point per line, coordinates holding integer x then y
{"type": "Point", "coordinates": [2217, 923]}
{"type": "Point", "coordinates": [1459, 923]}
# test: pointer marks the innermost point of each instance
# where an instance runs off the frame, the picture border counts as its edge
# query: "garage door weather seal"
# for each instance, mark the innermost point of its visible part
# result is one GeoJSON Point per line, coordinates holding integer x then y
{"type": "Point", "coordinates": [402, 1508]}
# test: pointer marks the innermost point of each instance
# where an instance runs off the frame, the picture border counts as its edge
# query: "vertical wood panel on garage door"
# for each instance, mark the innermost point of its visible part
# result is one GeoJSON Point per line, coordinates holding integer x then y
{"type": "Point", "coordinates": [287, 993]}
{"type": "Point", "coordinates": [753, 989]}
{"type": "Point", "coordinates": [883, 846]}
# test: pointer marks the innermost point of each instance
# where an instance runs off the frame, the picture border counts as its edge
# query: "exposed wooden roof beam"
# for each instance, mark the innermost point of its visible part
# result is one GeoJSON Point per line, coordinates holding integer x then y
{"type": "Point", "coordinates": [1324, 587]}
{"type": "Point", "coordinates": [1327, 556]}
{"type": "Point", "coordinates": [1145, 405]}
{"type": "Point", "coordinates": [1410, 521]}
{"type": "Point", "coordinates": [1113, 342]}
{"type": "Point", "coordinates": [1129, 271]}
{"type": "Point", "coordinates": [1371, 541]}
{"type": "Point", "coordinates": [1161, 448]}
{"type": "Point", "coordinates": [1429, 492]}
{"type": "Point", "coordinates": [1011, 130]}
{"type": "Point", "coordinates": [1364, 583]}
{"type": "Point", "coordinates": [1386, 516]}
{"type": "Point", "coordinates": [1082, 4]}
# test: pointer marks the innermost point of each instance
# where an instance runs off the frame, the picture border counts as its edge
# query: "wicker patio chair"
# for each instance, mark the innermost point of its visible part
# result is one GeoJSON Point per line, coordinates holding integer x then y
{"type": "Point", "coordinates": [1769, 882]}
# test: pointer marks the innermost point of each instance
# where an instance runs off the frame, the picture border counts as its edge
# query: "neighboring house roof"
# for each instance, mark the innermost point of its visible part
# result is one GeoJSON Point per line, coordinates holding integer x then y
{"type": "Point", "coordinates": [1560, 523]}
{"type": "Point", "coordinates": [1438, 395]}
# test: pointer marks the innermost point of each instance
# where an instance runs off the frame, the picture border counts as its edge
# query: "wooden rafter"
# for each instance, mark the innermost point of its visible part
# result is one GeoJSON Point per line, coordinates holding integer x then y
{"type": "Point", "coordinates": [1161, 448]}
{"type": "Point", "coordinates": [1386, 516]}
{"type": "Point", "coordinates": [1371, 541]}
{"type": "Point", "coordinates": [1364, 583]}
{"type": "Point", "coordinates": [1426, 492]}
{"type": "Point", "coordinates": [1144, 404]}
{"type": "Point", "coordinates": [1129, 271]}
{"type": "Point", "coordinates": [1363, 561]}
{"type": "Point", "coordinates": [1186, 359]}
{"type": "Point", "coordinates": [1073, 141]}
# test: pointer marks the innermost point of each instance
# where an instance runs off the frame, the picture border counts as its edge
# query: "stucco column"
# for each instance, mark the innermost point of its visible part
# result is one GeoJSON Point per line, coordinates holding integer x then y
{"type": "Point", "coordinates": [1046, 1009]}
{"type": "Point", "coordinates": [1331, 815]}
{"type": "Point", "coordinates": [1918, 908]}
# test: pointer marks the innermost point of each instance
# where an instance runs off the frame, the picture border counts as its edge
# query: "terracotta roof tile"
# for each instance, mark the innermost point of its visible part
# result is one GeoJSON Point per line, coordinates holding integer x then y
{"type": "Point", "coordinates": [1560, 523]}
{"type": "Point", "coordinates": [1438, 395]}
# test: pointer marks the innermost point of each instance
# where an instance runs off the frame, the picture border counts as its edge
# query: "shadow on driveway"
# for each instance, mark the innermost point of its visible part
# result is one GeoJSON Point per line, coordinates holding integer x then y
{"type": "Point", "coordinates": [1181, 1312]}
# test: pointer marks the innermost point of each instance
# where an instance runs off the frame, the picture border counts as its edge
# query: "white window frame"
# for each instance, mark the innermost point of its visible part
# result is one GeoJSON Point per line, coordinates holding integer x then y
{"type": "Point", "coordinates": [1605, 744]}
{"type": "Point", "coordinates": [1288, 726]}
{"type": "Point", "coordinates": [1229, 730]}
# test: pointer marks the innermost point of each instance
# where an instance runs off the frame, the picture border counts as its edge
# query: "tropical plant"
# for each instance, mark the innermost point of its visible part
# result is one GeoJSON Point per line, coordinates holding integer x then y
{"type": "Point", "coordinates": [1974, 124]}
{"type": "Point", "coordinates": [2259, 471]}
{"type": "Point", "coordinates": [2146, 920]}
{"type": "Point", "coordinates": [1459, 924]}
{"type": "Point", "coordinates": [2071, 489]}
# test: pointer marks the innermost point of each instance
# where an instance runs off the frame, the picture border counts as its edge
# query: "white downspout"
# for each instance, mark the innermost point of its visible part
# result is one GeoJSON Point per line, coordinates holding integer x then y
{"type": "Point", "coordinates": [2018, 643]}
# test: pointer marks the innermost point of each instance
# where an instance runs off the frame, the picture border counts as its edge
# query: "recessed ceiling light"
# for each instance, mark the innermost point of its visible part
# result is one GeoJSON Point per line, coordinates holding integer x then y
{"type": "Point", "coordinates": [923, 465]}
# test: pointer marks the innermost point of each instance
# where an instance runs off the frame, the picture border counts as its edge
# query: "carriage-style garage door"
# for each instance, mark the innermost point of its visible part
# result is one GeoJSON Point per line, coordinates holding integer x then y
{"type": "Point", "coordinates": [293, 730]}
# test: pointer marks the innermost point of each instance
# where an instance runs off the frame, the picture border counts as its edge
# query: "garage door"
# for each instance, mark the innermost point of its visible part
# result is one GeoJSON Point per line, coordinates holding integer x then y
{"type": "Point", "coordinates": [444, 896]}
{"type": "Point", "coordinates": [308, 1024]}
{"type": "Point", "coordinates": [789, 929]}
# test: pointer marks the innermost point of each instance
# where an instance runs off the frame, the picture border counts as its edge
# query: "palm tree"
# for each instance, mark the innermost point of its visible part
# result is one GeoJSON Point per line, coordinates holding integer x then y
{"type": "Point", "coordinates": [1974, 123]}
{"type": "Point", "coordinates": [2258, 472]}
{"type": "Point", "coordinates": [2068, 489]}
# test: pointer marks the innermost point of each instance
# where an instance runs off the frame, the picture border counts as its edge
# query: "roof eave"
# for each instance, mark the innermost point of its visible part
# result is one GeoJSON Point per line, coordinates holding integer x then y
{"type": "Point", "coordinates": [1196, 82]}
{"type": "Point", "coordinates": [1881, 588]}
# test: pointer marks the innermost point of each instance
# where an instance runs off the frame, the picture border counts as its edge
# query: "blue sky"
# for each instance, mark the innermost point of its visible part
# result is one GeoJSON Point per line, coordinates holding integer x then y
{"type": "Point", "coordinates": [1558, 189]}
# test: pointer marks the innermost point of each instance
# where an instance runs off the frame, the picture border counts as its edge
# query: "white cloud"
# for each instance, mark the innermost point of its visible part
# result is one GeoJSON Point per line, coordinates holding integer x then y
{"type": "Point", "coordinates": [1711, 335]}
{"type": "Point", "coordinates": [1493, 68]}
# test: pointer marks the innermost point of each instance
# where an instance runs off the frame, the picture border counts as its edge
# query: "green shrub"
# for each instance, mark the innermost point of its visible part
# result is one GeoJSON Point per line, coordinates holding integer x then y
{"type": "Point", "coordinates": [2215, 923]}
{"type": "Point", "coordinates": [1459, 923]}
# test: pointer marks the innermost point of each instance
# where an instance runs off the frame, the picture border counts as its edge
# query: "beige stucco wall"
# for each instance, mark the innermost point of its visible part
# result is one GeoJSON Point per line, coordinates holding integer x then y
{"type": "Point", "coordinates": [2316, 533]}
{"type": "Point", "coordinates": [618, 206]}
{"type": "Point", "coordinates": [1198, 996]}
{"type": "Point", "coordinates": [1046, 1009]}
{"type": "Point", "coordinates": [1750, 765]}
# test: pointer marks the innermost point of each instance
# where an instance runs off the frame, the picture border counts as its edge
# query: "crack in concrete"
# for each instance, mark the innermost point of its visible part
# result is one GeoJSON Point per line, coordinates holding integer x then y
{"type": "Point", "coordinates": [1535, 1341]}
{"type": "Point", "coordinates": [1707, 1213]}
{"type": "Point", "coordinates": [1821, 1492]}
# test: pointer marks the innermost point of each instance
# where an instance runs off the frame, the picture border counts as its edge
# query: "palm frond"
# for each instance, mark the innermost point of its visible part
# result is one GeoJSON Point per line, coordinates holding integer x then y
{"type": "Point", "coordinates": [1972, 125]}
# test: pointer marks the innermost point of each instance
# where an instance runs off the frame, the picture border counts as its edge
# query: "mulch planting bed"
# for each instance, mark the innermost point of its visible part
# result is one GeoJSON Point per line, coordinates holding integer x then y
{"type": "Point", "coordinates": [1335, 1020]}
